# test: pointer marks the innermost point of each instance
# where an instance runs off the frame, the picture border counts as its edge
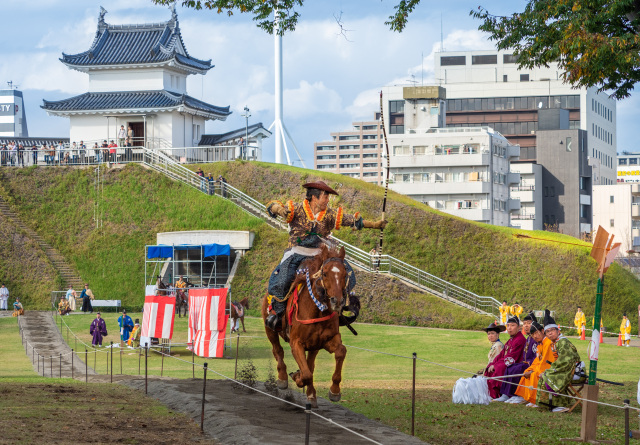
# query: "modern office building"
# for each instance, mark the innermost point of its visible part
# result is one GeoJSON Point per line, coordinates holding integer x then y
{"type": "Point", "coordinates": [13, 120]}
{"type": "Point", "coordinates": [486, 88]}
{"type": "Point", "coordinates": [355, 153]}
{"type": "Point", "coordinates": [629, 167]}
{"type": "Point", "coordinates": [617, 209]}
{"type": "Point", "coordinates": [461, 171]}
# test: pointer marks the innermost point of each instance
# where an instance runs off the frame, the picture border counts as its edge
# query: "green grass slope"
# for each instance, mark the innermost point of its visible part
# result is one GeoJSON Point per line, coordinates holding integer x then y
{"type": "Point", "coordinates": [485, 259]}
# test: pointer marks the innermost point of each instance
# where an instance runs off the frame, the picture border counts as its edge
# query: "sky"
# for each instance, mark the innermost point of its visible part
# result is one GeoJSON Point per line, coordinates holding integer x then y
{"type": "Point", "coordinates": [331, 79]}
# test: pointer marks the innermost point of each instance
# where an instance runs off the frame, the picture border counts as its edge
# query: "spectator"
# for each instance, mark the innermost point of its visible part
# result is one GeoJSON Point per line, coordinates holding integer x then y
{"type": "Point", "coordinates": [17, 308]}
{"type": "Point", "coordinates": [67, 158]}
{"type": "Point", "coordinates": [13, 151]}
{"type": "Point", "coordinates": [105, 151]}
{"type": "Point", "coordinates": [128, 151]}
{"type": "Point", "coordinates": [113, 152]}
{"type": "Point", "coordinates": [61, 153]}
{"type": "Point", "coordinates": [82, 150]}
{"type": "Point", "coordinates": [135, 335]}
{"type": "Point", "coordinates": [4, 297]}
{"type": "Point", "coordinates": [122, 134]}
{"type": "Point", "coordinates": [98, 329]}
{"type": "Point", "coordinates": [20, 155]}
{"type": "Point", "coordinates": [199, 172]}
{"type": "Point", "coordinates": [96, 152]}
{"type": "Point", "coordinates": [130, 134]}
{"type": "Point", "coordinates": [71, 297]}
{"type": "Point", "coordinates": [63, 307]}
{"type": "Point", "coordinates": [86, 295]}
{"type": "Point", "coordinates": [211, 183]}
{"type": "Point", "coordinates": [126, 325]}
{"type": "Point", "coordinates": [223, 188]}
{"type": "Point", "coordinates": [52, 154]}
{"type": "Point", "coordinates": [34, 154]}
{"type": "Point", "coordinates": [74, 153]}
{"type": "Point", "coordinates": [3, 155]}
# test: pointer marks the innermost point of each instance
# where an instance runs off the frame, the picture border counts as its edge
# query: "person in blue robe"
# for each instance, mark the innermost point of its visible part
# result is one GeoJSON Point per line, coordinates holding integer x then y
{"type": "Point", "coordinates": [126, 325]}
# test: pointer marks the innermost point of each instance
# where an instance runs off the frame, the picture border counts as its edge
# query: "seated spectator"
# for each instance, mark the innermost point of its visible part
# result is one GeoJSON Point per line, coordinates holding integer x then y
{"type": "Point", "coordinates": [545, 355]}
{"type": "Point", "coordinates": [17, 308]}
{"type": "Point", "coordinates": [493, 335]}
{"type": "Point", "coordinates": [558, 377]}
{"type": "Point", "coordinates": [98, 329]}
{"type": "Point", "coordinates": [134, 337]}
{"type": "Point", "coordinates": [512, 353]}
{"type": "Point", "coordinates": [63, 307]}
{"type": "Point", "coordinates": [510, 384]}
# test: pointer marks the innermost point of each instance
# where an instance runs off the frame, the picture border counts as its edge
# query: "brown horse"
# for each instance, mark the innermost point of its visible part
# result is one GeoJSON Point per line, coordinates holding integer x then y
{"type": "Point", "coordinates": [311, 329]}
{"type": "Point", "coordinates": [244, 304]}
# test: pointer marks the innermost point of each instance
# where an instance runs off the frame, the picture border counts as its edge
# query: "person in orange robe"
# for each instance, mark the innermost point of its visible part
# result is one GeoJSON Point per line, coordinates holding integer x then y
{"type": "Point", "coordinates": [545, 356]}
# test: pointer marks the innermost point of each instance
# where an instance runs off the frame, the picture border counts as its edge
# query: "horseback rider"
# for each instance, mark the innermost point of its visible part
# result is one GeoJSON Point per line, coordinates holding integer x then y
{"type": "Point", "coordinates": [309, 222]}
{"type": "Point", "coordinates": [181, 284]}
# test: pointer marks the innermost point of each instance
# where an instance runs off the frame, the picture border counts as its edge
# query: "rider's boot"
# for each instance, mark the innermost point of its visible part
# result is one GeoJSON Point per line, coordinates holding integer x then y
{"type": "Point", "coordinates": [273, 319]}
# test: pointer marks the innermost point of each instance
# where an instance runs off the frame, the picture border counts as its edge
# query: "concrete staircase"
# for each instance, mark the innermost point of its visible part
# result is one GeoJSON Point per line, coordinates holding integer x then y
{"type": "Point", "coordinates": [68, 274]}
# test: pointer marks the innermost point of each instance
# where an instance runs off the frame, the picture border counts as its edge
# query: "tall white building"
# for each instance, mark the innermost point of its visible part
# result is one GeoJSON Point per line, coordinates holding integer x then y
{"type": "Point", "coordinates": [486, 88]}
{"type": "Point", "coordinates": [617, 209]}
{"type": "Point", "coordinates": [461, 171]}
{"type": "Point", "coordinates": [13, 120]}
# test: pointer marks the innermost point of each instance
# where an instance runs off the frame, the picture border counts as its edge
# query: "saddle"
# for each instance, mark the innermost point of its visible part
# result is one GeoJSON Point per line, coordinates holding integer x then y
{"type": "Point", "coordinates": [239, 308]}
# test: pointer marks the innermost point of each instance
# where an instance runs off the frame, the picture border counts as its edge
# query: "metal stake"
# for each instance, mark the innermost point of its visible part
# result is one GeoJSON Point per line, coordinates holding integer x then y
{"type": "Point", "coordinates": [111, 362]}
{"type": "Point", "coordinates": [51, 366]}
{"type": "Point", "coordinates": [204, 392]}
{"type": "Point", "coordinates": [146, 351]}
{"type": "Point", "coordinates": [139, 356]}
{"type": "Point", "coordinates": [235, 374]}
{"type": "Point", "coordinates": [161, 362]}
{"type": "Point", "coordinates": [413, 397]}
{"type": "Point", "coordinates": [60, 366]}
{"type": "Point", "coordinates": [626, 422]}
{"type": "Point", "coordinates": [86, 365]}
{"type": "Point", "coordinates": [120, 361]}
{"type": "Point", "coordinates": [193, 362]}
{"type": "Point", "coordinates": [308, 427]}
{"type": "Point", "coordinates": [72, 363]}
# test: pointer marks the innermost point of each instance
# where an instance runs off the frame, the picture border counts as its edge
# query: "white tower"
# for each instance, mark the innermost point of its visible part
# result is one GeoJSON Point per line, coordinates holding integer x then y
{"type": "Point", "coordinates": [280, 130]}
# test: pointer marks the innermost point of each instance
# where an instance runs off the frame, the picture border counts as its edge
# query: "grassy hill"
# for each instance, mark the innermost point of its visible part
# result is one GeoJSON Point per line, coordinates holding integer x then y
{"type": "Point", "coordinates": [58, 204]}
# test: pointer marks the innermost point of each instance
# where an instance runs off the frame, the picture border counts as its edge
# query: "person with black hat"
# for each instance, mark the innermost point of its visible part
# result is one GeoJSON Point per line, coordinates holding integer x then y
{"type": "Point", "coordinates": [545, 355]}
{"type": "Point", "coordinates": [309, 223]}
{"type": "Point", "coordinates": [493, 335]}
{"type": "Point", "coordinates": [555, 380]}
{"type": "Point", "coordinates": [512, 353]}
{"type": "Point", "coordinates": [510, 384]}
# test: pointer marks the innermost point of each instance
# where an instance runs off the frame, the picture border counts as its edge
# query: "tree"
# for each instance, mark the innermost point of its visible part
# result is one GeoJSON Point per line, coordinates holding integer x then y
{"type": "Point", "coordinates": [263, 11]}
{"type": "Point", "coordinates": [595, 42]}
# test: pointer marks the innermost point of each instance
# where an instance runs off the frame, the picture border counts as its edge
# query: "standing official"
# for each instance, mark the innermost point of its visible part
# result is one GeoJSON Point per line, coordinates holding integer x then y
{"type": "Point", "coordinates": [4, 297]}
{"type": "Point", "coordinates": [625, 330]}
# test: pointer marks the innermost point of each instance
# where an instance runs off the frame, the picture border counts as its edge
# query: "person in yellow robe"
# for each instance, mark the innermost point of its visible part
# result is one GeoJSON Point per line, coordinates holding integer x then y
{"type": "Point", "coordinates": [134, 337]}
{"type": "Point", "coordinates": [181, 284]}
{"type": "Point", "coordinates": [580, 321]}
{"type": "Point", "coordinates": [504, 313]}
{"type": "Point", "coordinates": [516, 310]}
{"type": "Point", "coordinates": [545, 355]}
{"type": "Point", "coordinates": [625, 330]}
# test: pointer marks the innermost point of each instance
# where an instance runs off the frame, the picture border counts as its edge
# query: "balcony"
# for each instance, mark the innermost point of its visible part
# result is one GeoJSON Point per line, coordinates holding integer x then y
{"type": "Point", "coordinates": [513, 178]}
{"type": "Point", "coordinates": [635, 211]}
{"type": "Point", "coordinates": [513, 151]}
{"type": "Point", "coordinates": [635, 189]}
{"type": "Point", "coordinates": [635, 232]}
{"type": "Point", "coordinates": [441, 188]}
{"type": "Point", "coordinates": [440, 160]}
{"type": "Point", "coordinates": [471, 214]}
{"type": "Point", "coordinates": [585, 200]}
{"type": "Point", "coordinates": [523, 216]}
{"type": "Point", "coordinates": [513, 204]}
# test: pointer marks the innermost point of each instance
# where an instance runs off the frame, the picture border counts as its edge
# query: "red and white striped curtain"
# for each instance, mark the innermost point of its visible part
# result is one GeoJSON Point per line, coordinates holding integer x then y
{"type": "Point", "coordinates": [159, 313]}
{"type": "Point", "coordinates": [207, 321]}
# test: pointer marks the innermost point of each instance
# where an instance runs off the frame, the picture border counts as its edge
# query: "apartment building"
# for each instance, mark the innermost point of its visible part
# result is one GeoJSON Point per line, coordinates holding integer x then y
{"type": "Point", "coordinates": [629, 167]}
{"type": "Point", "coordinates": [354, 153]}
{"type": "Point", "coordinates": [486, 88]}
{"type": "Point", "coordinates": [461, 171]}
{"type": "Point", "coordinates": [617, 209]}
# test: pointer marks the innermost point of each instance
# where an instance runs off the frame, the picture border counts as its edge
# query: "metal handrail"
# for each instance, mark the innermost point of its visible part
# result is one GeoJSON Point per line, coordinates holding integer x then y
{"type": "Point", "coordinates": [405, 272]}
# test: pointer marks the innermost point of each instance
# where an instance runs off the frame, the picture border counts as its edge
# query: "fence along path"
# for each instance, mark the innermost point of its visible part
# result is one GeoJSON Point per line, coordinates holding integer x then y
{"type": "Point", "coordinates": [408, 274]}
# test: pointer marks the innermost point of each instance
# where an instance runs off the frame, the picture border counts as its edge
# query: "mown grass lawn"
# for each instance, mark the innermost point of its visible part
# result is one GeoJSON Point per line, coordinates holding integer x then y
{"type": "Point", "coordinates": [378, 385]}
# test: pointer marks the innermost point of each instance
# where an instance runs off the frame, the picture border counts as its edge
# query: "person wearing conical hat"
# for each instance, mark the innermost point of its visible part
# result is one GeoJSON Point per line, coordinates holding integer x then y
{"type": "Point", "coordinates": [580, 321]}
{"type": "Point", "coordinates": [545, 356]}
{"type": "Point", "coordinates": [505, 309]}
{"type": "Point", "coordinates": [510, 384]}
{"type": "Point", "coordinates": [512, 353]}
{"type": "Point", "coordinates": [625, 330]}
{"type": "Point", "coordinates": [309, 223]}
{"type": "Point", "coordinates": [493, 335]}
{"type": "Point", "coordinates": [553, 383]}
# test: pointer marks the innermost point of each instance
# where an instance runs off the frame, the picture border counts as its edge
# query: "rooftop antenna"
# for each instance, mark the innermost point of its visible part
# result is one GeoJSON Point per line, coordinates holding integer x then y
{"type": "Point", "coordinates": [278, 123]}
{"type": "Point", "coordinates": [12, 86]}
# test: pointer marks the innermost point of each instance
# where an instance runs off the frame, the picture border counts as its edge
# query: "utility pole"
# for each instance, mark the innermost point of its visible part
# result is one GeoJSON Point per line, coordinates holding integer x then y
{"type": "Point", "coordinates": [246, 115]}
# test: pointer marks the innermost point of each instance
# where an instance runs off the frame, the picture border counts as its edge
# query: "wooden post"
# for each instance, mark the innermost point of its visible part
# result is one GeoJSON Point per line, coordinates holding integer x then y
{"type": "Point", "coordinates": [161, 363]}
{"type": "Point", "coordinates": [193, 362]}
{"type": "Point", "coordinates": [51, 366]}
{"type": "Point", "coordinates": [72, 363]}
{"type": "Point", "coordinates": [111, 362]}
{"type": "Point", "coordinates": [204, 392]}
{"type": "Point", "coordinates": [86, 365]}
{"type": "Point", "coordinates": [60, 375]}
{"type": "Point", "coordinates": [139, 356]}
{"type": "Point", "coordinates": [413, 396]}
{"type": "Point", "coordinates": [120, 361]}
{"type": "Point", "coordinates": [589, 413]}
{"type": "Point", "coordinates": [235, 375]}
{"type": "Point", "coordinates": [146, 352]}
{"type": "Point", "coordinates": [626, 422]}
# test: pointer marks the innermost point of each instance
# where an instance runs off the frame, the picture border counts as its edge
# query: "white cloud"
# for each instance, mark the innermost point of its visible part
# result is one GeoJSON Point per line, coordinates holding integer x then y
{"type": "Point", "coordinates": [43, 71]}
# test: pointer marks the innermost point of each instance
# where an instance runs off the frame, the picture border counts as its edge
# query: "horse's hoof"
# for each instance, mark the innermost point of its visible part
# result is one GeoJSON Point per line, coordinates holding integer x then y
{"type": "Point", "coordinates": [334, 397]}
{"type": "Point", "coordinates": [282, 384]}
{"type": "Point", "coordinates": [313, 402]}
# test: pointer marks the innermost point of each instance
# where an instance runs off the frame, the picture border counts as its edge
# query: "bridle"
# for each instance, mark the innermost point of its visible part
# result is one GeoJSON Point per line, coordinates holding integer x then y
{"type": "Point", "coordinates": [319, 285]}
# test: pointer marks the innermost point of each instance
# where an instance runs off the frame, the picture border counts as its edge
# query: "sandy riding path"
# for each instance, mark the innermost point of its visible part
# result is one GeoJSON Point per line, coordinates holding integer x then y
{"type": "Point", "coordinates": [233, 414]}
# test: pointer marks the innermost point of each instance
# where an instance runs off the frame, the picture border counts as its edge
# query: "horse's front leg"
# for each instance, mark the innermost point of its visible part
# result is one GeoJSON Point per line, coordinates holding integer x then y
{"type": "Point", "coordinates": [335, 346]}
{"type": "Point", "coordinates": [311, 390]}
{"type": "Point", "coordinates": [242, 320]}
{"type": "Point", "coordinates": [303, 376]}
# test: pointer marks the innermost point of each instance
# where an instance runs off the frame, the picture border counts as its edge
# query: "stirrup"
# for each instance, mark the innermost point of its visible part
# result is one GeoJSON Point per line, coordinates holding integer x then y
{"type": "Point", "coordinates": [273, 322]}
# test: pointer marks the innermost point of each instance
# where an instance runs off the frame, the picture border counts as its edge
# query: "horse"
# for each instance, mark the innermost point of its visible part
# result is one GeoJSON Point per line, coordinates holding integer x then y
{"type": "Point", "coordinates": [308, 326]}
{"type": "Point", "coordinates": [161, 286]}
{"type": "Point", "coordinates": [181, 302]}
{"type": "Point", "coordinates": [238, 314]}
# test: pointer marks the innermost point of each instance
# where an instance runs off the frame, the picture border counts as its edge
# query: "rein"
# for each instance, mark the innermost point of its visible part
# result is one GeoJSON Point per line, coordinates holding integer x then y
{"type": "Point", "coordinates": [321, 306]}
{"type": "Point", "coordinates": [294, 305]}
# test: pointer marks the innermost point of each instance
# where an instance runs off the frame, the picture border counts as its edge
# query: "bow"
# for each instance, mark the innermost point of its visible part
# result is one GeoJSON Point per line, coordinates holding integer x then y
{"type": "Point", "coordinates": [384, 201]}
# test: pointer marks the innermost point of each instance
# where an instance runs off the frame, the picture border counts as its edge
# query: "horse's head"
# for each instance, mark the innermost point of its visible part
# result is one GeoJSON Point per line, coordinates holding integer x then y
{"type": "Point", "coordinates": [332, 282]}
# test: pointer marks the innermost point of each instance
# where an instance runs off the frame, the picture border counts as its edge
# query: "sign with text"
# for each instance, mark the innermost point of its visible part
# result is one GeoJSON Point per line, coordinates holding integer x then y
{"type": "Point", "coordinates": [7, 109]}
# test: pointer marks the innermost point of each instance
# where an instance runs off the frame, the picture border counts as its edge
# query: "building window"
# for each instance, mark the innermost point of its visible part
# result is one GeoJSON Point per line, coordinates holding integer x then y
{"type": "Point", "coordinates": [611, 199]}
{"type": "Point", "coordinates": [491, 59]}
{"type": "Point", "coordinates": [546, 192]}
{"type": "Point", "coordinates": [633, 161]}
{"type": "Point", "coordinates": [396, 106]}
{"type": "Point", "coordinates": [524, 78]}
{"type": "Point", "coordinates": [396, 129]}
{"type": "Point", "coordinates": [322, 157]}
{"type": "Point", "coordinates": [504, 77]}
{"type": "Point", "coordinates": [622, 161]}
{"type": "Point", "coordinates": [553, 192]}
{"type": "Point", "coordinates": [610, 223]}
{"type": "Point", "coordinates": [453, 60]}
{"type": "Point", "coordinates": [401, 150]}
{"type": "Point", "coordinates": [349, 138]}
{"type": "Point", "coordinates": [326, 166]}
{"type": "Point", "coordinates": [569, 142]}
{"type": "Point", "coordinates": [509, 58]}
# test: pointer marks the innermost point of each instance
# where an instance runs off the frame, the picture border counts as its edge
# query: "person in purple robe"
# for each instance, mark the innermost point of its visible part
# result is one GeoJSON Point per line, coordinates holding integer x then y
{"type": "Point", "coordinates": [510, 354]}
{"type": "Point", "coordinates": [510, 384]}
{"type": "Point", "coordinates": [98, 329]}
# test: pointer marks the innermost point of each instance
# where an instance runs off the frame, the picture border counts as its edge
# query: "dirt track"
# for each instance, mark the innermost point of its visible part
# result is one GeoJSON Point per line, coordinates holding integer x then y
{"type": "Point", "coordinates": [233, 415]}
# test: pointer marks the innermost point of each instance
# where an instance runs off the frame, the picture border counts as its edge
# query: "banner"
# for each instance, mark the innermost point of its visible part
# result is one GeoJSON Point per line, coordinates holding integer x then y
{"type": "Point", "coordinates": [158, 317]}
{"type": "Point", "coordinates": [207, 321]}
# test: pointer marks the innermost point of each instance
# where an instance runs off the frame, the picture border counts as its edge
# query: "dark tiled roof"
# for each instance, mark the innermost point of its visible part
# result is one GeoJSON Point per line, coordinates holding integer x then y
{"type": "Point", "coordinates": [215, 139]}
{"type": "Point", "coordinates": [28, 142]}
{"type": "Point", "coordinates": [137, 100]}
{"type": "Point", "coordinates": [136, 44]}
